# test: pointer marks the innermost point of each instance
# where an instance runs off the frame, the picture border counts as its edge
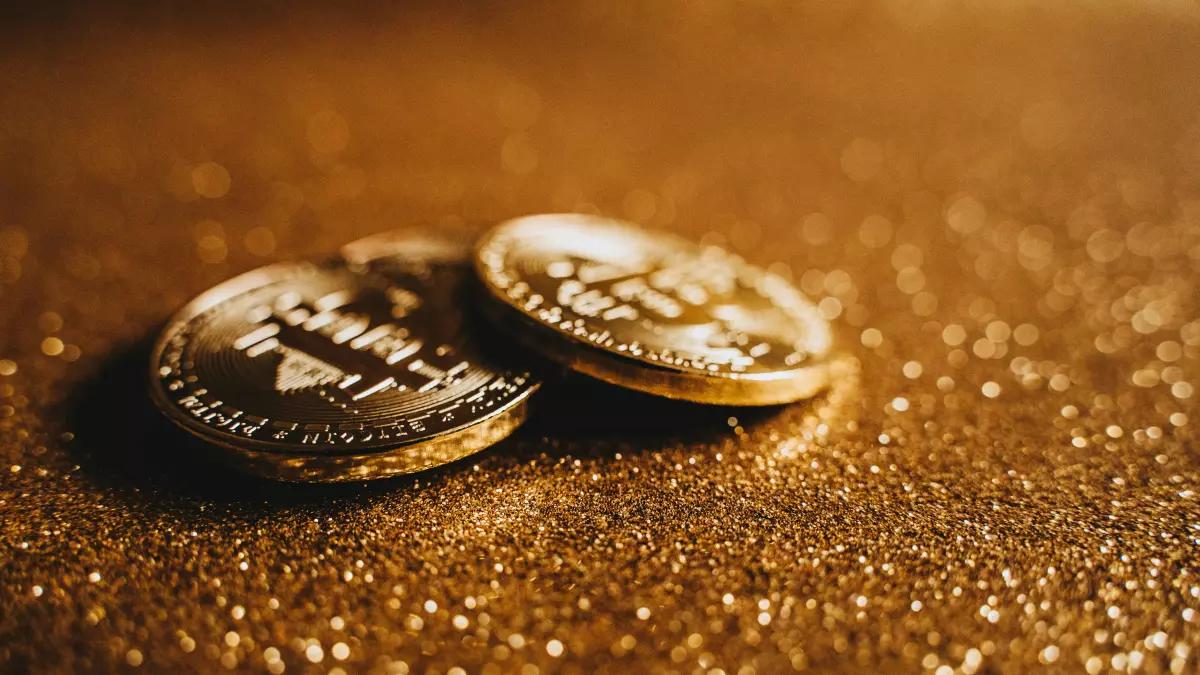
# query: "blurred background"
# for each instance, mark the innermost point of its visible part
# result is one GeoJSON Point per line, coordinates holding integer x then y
{"type": "Point", "coordinates": [997, 204]}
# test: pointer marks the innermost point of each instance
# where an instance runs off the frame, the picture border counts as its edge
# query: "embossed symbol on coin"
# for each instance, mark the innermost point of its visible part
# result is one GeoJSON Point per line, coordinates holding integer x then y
{"type": "Point", "coordinates": [338, 371]}
{"type": "Point", "coordinates": [330, 343]}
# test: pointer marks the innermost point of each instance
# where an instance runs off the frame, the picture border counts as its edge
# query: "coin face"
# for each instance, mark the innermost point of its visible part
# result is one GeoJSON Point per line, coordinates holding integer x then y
{"type": "Point", "coordinates": [653, 312]}
{"type": "Point", "coordinates": [345, 370]}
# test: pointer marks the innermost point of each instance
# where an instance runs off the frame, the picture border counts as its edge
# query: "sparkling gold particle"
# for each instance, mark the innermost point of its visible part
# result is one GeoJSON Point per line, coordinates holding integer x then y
{"type": "Point", "coordinates": [52, 346]}
{"type": "Point", "coordinates": [954, 335]}
{"type": "Point", "coordinates": [1026, 334]}
{"type": "Point", "coordinates": [924, 303]}
{"type": "Point", "coordinates": [554, 648]}
{"type": "Point", "coordinates": [639, 205]}
{"type": "Point", "coordinates": [208, 228]}
{"type": "Point", "coordinates": [211, 249]}
{"type": "Point", "coordinates": [260, 241]}
{"type": "Point", "coordinates": [1035, 247]}
{"type": "Point", "coordinates": [211, 180]}
{"type": "Point", "coordinates": [872, 338]}
{"type": "Point", "coordinates": [314, 653]}
{"type": "Point", "coordinates": [1049, 654]}
{"type": "Point", "coordinates": [744, 235]}
{"type": "Point", "coordinates": [340, 651]}
{"type": "Point", "coordinates": [984, 348]}
{"type": "Point", "coordinates": [998, 331]}
{"type": "Point", "coordinates": [1105, 245]}
{"type": "Point", "coordinates": [8, 367]}
{"type": "Point", "coordinates": [907, 255]}
{"type": "Point", "coordinates": [50, 322]}
{"type": "Point", "coordinates": [990, 389]}
{"type": "Point", "coordinates": [14, 243]}
{"type": "Point", "coordinates": [133, 657]}
{"type": "Point", "coordinates": [830, 308]}
{"type": "Point", "coordinates": [912, 369]}
{"type": "Point", "coordinates": [875, 231]}
{"type": "Point", "coordinates": [910, 280]}
{"type": "Point", "coordinates": [1060, 382]}
{"type": "Point", "coordinates": [965, 214]}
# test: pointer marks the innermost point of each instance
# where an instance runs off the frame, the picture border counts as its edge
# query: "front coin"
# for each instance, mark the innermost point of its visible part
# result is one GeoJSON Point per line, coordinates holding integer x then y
{"type": "Point", "coordinates": [653, 312]}
{"type": "Point", "coordinates": [345, 370]}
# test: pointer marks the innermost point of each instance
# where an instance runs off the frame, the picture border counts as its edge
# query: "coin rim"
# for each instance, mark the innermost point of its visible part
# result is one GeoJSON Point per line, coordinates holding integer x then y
{"type": "Point", "coordinates": [330, 464]}
{"type": "Point", "coordinates": [445, 448]}
{"type": "Point", "coordinates": [567, 349]}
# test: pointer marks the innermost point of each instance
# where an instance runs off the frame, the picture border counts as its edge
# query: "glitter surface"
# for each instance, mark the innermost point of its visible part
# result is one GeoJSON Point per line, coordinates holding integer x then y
{"type": "Point", "coordinates": [998, 206]}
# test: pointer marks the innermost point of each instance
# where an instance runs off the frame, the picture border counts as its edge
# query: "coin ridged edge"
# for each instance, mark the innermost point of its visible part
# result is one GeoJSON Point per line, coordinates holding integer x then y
{"type": "Point", "coordinates": [405, 459]}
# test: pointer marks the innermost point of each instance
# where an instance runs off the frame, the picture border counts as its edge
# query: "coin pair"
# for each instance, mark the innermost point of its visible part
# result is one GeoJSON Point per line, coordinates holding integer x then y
{"type": "Point", "coordinates": [375, 364]}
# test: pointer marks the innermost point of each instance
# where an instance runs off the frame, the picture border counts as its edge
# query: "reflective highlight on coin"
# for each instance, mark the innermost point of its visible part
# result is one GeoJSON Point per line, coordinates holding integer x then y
{"type": "Point", "coordinates": [340, 371]}
{"type": "Point", "coordinates": [653, 312]}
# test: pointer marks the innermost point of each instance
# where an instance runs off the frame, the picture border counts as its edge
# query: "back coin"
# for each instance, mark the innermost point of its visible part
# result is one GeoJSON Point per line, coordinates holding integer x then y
{"type": "Point", "coordinates": [653, 312]}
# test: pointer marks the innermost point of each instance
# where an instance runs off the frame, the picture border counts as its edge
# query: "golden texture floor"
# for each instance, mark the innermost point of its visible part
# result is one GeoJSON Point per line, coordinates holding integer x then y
{"type": "Point", "coordinates": [998, 205]}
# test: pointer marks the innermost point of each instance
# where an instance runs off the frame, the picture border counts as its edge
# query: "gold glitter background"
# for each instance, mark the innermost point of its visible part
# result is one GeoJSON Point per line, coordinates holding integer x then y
{"type": "Point", "coordinates": [997, 203]}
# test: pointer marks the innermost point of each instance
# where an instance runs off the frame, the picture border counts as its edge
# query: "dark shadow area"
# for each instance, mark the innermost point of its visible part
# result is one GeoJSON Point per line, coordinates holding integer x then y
{"type": "Point", "coordinates": [123, 442]}
{"type": "Point", "coordinates": [574, 407]}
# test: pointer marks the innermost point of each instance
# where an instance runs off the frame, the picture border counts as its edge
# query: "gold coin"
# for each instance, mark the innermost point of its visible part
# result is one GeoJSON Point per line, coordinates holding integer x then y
{"type": "Point", "coordinates": [653, 312]}
{"type": "Point", "coordinates": [346, 370]}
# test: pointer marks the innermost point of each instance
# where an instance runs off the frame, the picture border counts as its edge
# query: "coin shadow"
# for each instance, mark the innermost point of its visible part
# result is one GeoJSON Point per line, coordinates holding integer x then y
{"type": "Point", "coordinates": [122, 443]}
{"type": "Point", "coordinates": [579, 414]}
